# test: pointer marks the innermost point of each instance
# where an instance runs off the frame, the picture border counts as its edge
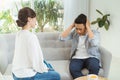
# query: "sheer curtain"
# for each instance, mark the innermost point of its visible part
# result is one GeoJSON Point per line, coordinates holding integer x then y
{"type": "Point", "coordinates": [72, 8]}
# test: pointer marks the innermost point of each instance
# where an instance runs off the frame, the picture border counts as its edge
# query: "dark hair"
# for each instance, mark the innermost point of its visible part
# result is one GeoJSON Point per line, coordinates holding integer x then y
{"type": "Point", "coordinates": [81, 19]}
{"type": "Point", "coordinates": [23, 15]}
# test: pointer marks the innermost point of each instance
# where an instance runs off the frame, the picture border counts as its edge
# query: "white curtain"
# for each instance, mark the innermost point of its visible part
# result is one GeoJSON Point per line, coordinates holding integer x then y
{"type": "Point", "coordinates": [72, 8]}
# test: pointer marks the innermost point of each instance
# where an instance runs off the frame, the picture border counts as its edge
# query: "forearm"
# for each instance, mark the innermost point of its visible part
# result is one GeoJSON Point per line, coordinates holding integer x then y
{"type": "Point", "coordinates": [90, 33]}
{"type": "Point", "coordinates": [67, 31]}
{"type": "Point", "coordinates": [95, 39]}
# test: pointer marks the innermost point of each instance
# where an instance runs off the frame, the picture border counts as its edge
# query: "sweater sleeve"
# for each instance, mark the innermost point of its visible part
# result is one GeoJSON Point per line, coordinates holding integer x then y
{"type": "Point", "coordinates": [69, 37]}
{"type": "Point", "coordinates": [35, 55]}
{"type": "Point", "coordinates": [95, 41]}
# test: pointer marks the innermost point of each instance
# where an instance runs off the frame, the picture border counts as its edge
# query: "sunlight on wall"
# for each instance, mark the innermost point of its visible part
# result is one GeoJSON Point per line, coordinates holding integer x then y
{"type": "Point", "coordinates": [4, 5]}
{"type": "Point", "coordinates": [9, 11]}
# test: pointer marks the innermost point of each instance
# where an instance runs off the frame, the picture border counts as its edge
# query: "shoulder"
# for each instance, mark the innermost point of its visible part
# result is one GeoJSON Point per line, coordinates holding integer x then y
{"type": "Point", "coordinates": [95, 31]}
{"type": "Point", "coordinates": [32, 36]}
{"type": "Point", "coordinates": [29, 35]}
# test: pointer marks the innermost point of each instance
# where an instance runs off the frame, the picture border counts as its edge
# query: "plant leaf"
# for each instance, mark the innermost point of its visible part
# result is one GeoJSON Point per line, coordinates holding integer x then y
{"type": "Point", "coordinates": [98, 19]}
{"type": "Point", "coordinates": [99, 12]}
{"type": "Point", "coordinates": [106, 26]}
{"type": "Point", "coordinates": [108, 22]}
{"type": "Point", "coordinates": [101, 23]}
{"type": "Point", "coordinates": [94, 22]}
{"type": "Point", "coordinates": [105, 17]}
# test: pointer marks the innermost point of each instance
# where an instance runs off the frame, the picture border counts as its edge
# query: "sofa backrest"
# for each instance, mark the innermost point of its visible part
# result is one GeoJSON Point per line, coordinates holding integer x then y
{"type": "Point", "coordinates": [53, 48]}
{"type": "Point", "coordinates": [7, 42]}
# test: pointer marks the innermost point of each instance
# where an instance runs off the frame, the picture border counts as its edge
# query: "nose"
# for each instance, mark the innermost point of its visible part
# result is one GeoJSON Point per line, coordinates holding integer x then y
{"type": "Point", "coordinates": [78, 31]}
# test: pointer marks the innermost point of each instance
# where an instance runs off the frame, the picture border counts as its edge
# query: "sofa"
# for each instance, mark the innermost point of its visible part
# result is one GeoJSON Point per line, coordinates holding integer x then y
{"type": "Point", "coordinates": [56, 52]}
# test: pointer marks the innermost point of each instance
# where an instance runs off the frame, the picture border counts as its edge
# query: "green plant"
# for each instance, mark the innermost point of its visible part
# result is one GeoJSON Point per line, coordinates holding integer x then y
{"type": "Point", "coordinates": [102, 21]}
{"type": "Point", "coordinates": [6, 21]}
{"type": "Point", "coordinates": [47, 13]}
{"type": "Point", "coordinates": [22, 4]}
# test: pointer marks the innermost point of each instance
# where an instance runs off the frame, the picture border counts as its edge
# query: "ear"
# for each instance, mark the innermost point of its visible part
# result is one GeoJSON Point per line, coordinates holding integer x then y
{"type": "Point", "coordinates": [29, 19]}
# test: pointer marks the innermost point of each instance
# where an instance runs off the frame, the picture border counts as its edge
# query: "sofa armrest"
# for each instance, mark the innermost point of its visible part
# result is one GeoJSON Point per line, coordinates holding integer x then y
{"type": "Point", "coordinates": [3, 54]}
{"type": "Point", "coordinates": [1, 76]}
{"type": "Point", "coordinates": [3, 63]}
{"type": "Point", "coordinates": [106, 58]}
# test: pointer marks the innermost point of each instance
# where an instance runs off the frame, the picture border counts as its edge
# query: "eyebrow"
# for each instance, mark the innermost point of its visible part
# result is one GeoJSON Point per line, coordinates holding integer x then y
{"type": "Point", "coordinates": [78, 28]}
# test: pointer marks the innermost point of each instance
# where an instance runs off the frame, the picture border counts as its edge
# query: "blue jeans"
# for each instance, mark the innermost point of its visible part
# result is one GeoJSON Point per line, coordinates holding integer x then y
{"type": "Point", "coordinates": [50, 75]}
{"type": "Point", "coordinates": [76, 65]}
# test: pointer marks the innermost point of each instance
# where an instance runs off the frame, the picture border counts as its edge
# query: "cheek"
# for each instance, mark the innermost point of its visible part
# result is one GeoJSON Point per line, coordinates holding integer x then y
{"type": "Point", "coordinates": [34, 22]}
{"type": "Point", "coordinates": [83, 30]}
{"type": "Point", "coordinates": [78, 31]}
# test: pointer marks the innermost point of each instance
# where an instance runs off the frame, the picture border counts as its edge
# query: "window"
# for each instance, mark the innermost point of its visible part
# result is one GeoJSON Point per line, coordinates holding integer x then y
{"type": "Point", "coordinates": [52, 15]}
{"type": "Point", "coordinates": [49, 14]}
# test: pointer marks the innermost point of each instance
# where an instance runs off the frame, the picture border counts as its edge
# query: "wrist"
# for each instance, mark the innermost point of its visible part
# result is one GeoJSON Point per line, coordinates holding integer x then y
{"type": "Point", "coordinates": [71, 26]}
{"type": "Point", "coordinates": [88, 27]}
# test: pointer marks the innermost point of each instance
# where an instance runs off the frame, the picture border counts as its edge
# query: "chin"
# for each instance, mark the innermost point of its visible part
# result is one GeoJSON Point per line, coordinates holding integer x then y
{"type": "Point", "coordinates": [33, 26]}
{"type": "Point", "coordinates": [81, 34]}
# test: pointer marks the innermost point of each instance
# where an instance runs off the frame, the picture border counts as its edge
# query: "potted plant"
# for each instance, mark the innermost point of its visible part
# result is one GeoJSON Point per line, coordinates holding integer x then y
{"type": "Point", "coordinates": [102, 21]}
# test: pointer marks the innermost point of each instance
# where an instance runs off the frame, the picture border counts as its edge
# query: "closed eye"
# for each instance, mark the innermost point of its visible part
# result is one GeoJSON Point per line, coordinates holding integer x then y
{"type": "Point", "coordinates": [78, 29]}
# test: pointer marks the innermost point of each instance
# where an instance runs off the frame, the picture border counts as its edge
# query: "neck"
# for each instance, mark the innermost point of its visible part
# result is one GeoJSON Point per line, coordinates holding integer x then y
{"type": "Point", "coordinates": [26, 27]}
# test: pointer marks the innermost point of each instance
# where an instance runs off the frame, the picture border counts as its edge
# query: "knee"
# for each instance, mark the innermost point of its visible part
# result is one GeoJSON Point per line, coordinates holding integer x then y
{"type": "Point", "coordinates": [73, 67]}
{"type": "Point", "coordinates": [72, 70]}
{"type": "Point", "coordinates": [93, 67]}
{"type": "Point", "coordinates": [56, 75]}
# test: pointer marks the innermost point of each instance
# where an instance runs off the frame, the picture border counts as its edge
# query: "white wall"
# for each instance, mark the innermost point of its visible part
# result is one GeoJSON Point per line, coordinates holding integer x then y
{"type": "Point", "coordinates": [109, 39]}
{"type": "Point", "coordinates": [72, 8]}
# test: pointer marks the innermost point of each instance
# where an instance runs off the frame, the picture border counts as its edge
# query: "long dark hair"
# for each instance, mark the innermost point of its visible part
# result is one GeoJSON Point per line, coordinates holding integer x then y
{"type": "Point", "coordinates": [23, 15]}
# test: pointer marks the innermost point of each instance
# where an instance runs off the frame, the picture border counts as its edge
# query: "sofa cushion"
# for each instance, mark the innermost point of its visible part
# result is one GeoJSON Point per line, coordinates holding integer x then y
{"type": "Point", "coordinates": [52, 46]}
{"type": "Point", "coordinates": [3, 54]}
{"type": "Point", "coordinates": [61, 66]}
{"type": "Point", "coordinates": [52, 53]}
{"type": "Point", "coordinates": [8, 70]}
{"type": "Point", "coordinates": [9, 42]}
{"type": "Point", "coordinates": [55, 51]}
{"type": "Point", "coordinates": [8, 73]}
{"type": "Point", "coordinates": [7, 77]}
